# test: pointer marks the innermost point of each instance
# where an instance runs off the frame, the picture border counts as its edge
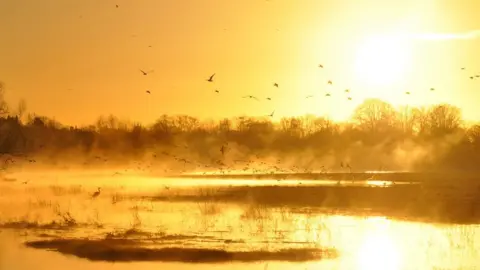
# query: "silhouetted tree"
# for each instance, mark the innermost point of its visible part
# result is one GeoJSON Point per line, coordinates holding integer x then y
{"type": "Point", "coordinates": [375, 115]}
{"type": "Point", "coordinates": [379, 134]}
{"type": "Point", "coordinates": [444, 119]}
{"type": "Point", "coordinates": [3, 104]}
{"type": "Point", "coordinates": [186, 123]}
{"type": "Point", "coordinates": [21, 108]}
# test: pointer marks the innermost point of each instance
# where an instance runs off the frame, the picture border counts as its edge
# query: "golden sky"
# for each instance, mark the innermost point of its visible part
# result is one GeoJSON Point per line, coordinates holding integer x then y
{"type": "Point", "coordinates": [75, 60]}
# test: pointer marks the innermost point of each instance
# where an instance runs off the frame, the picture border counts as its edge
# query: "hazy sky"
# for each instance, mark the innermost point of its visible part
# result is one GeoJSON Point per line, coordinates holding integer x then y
{"type": "Point", "coordinates": [77, 59]}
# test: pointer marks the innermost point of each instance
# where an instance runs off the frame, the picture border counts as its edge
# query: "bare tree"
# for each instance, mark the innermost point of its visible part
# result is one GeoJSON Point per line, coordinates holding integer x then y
{"type": "Point", "coordinates": [3, 104]}
{"type": "Point", "coordinates": [22, 108]}
{"type": "Point", "coordinates": [225, 125]}
{"type": "Point", "coordinates": [419, 120]}
{"type": "Point", "coordinates": [473, 134]}
{"type": "Point", "coordinates": [186, 123]}
{"type": "Point", "coordinates": [443, 119]}
{"type": "Point", "coordinates": [292, 126]}
{"type": "Point", "coordinates": [375, 115]}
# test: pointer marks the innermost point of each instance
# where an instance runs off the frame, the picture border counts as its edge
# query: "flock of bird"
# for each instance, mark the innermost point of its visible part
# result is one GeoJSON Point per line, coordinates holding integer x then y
{"type": "Point", "coordinates": [328, 94]}
{"type": "Point", "coordinates": [247, 164]}
{"type": "Point", "coordinates": [347, 91]}
{"type": "Point", "coordinates": [217, 166]}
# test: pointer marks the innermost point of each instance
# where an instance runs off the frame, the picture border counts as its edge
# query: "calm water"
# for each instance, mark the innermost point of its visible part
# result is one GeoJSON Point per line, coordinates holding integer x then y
{"type": "Point", "coordinates": [201, 214]}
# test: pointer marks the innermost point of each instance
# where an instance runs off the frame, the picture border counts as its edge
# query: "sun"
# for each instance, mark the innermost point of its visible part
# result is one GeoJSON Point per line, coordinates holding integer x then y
{"type": "Point", "coordinates": [382, 60]}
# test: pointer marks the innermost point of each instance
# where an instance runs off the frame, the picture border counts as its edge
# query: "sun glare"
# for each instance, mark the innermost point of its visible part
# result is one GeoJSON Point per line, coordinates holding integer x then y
{"type": "Point", "coordinates": [382, 60]}
{"type": "Point", "coordinates": [379, 250]}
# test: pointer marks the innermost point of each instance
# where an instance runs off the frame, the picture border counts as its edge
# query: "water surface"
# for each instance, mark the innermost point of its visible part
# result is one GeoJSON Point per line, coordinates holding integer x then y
{"type": "Point", "coordinates": [50, 220]}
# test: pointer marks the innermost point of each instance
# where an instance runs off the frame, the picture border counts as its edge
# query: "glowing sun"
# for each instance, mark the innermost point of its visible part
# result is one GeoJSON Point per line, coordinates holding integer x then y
{"type": "Point", "coordinates": [382, 60]}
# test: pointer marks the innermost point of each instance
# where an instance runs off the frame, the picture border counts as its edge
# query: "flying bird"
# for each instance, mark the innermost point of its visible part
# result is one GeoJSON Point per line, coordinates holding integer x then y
{"type": "Point", "coordinates": [320, 66]}
{"type": "Point", "coordinates": [275, 84]}
{"type": "Point", "coordinates": [145, 73]}
{"type": "Point", "coordinates": [211, 78]}
{"type": "Point", "coordinates": [253, 97]}
{"type": "Point", "coordinates": [349, 98]}
{"type": "Point", "coordinates": [271, 115]}
{"type": "Point", "coordinates": [116, 6]}
{"type": "Point", "coordinates": [328, 95]}
{"type": "Point", "coordinates": [329, 82]}
{"type": "Point", "coordinates": [269, 98]}
{"type": "Point", "coordinates": [309, 96]}
{"type": "Point", "coordinates": [432, 89]}
{"type": "Point", "coordinates": [148, 92]}
{"type": "Point", "coordinates": [217, 91]}
{"type": "Point", "coordinates": [408, 93]}
{"type": "Point", "coordinates": [347, 90]}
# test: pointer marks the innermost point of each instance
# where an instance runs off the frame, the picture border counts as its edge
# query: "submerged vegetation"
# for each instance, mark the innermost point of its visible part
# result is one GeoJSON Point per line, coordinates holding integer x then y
{"type": "Point", "coordinates": [125, 250]}
{"type": "Point", "coordinates": [377, 137]}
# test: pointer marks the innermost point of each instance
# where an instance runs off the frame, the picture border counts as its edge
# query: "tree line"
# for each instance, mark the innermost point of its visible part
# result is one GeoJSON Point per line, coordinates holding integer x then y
{"type": "Point", "coordinates": [377, 136]}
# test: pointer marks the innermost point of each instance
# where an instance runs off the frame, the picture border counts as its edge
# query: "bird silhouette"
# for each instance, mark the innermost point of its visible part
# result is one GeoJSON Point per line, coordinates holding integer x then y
{"type": "Point", "coordinates": [145, 73]}
{"type": "Point", "coordinates": [96, 193]}
{"type": "Point", "coordinates": [328, 95]}
{"type": "Point", "coordinates": [269, 98]}
{"type": "Point", "coordinates": [116, 6]}
{"type": "Point", "coordinates": [148, 92]}
{"type": "Point", "coordinates": [349, 98]}
{"type": "Point", "coordinates": [222, 149]}
{"type": "Point", "coordinates": [271, 115]}
{"type": "Point", "coordinates": [347, 90]}
{"type": "Point", "coordinates": [211, 78]}
{"type": "Point", "coordinates": [320, 66]}
{"type": "Point", "coordinates": [310, 96]}
{"type": "Point", "coordinates": [329, 82]}
{"type": "Point", "coordinates": [408, 93]}
{"type": "Point", "coordinates": [275, 85]}
{"type": "Point", "coordinates": [432, 89]}
{"type": "Point", "coordinates": [252, 97]}
{"type": "Point", "coordinates": [217, 91]}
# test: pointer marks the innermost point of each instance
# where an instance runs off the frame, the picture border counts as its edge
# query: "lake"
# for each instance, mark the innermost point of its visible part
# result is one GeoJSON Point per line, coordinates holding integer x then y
{"type": "Point", "coordinates": [49, 220]}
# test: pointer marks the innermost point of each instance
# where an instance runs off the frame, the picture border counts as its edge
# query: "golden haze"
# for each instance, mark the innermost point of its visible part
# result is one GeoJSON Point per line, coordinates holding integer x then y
{"type": "Point", "coordinates": [76, 60]}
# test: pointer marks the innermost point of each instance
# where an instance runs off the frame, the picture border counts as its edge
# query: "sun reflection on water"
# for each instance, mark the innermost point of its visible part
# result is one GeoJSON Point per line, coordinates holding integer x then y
{"type": "Point", "coordinates": [379, 249]}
